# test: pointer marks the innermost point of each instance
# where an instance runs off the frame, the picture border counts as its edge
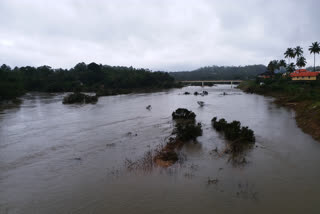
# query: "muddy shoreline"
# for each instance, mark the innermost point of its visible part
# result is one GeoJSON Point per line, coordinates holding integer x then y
{"type": "Point", "coordinates": [307, 113]}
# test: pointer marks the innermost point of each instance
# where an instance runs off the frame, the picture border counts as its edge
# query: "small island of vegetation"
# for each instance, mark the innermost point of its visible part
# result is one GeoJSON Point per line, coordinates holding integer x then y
{"type": "Point", "coordinates": [186, 130]}
{"type": "Point", "coordinates": [239, 138]}
{"type": "Point", "coordinates": [79, 98]}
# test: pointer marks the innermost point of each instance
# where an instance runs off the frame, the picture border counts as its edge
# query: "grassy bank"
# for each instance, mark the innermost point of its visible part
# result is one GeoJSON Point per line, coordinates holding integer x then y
{"type": "Point", "coordinates": [303, 97]}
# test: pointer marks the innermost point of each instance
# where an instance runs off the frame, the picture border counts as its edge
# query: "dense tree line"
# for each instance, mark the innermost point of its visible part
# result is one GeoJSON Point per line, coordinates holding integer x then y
{"type": "Point", "coordinates": [221, 73]}
{"type": "Point", "coordinates": [92, 77]}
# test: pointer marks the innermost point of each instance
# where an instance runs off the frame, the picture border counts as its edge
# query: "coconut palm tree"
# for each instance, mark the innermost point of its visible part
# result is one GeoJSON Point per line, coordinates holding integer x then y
{"type": "Point", "coordinates": [314, 49]}
{"type": "Point", "coordinates": [289, 54]}
{"type": "Point", "coordinates": [301, 62]}
{"type": "Point", "coordinates": [298, 52]}
{"type": "Point", "coordinates": [291, 67]}
{"type": "Point", "coordinates": [282, 63]}
{"type": "Point", "coordinates": [273, 65]}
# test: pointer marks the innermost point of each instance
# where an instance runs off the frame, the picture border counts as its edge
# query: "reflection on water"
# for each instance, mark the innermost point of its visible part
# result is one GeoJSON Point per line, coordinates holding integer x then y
{"type": "Point", "coordinates": [58, 158]}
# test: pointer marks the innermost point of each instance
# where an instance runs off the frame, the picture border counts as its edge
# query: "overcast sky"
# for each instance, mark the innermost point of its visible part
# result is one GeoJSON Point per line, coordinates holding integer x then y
{"type": "Point", "coordinates": [157, 34]}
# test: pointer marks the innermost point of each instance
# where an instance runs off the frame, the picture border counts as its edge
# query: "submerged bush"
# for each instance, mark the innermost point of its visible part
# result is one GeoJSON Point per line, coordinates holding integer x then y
{"type": "Point", "coordinates": [182, 113]}
{"type": "Point", "coordinates": [79, 98]}
{"type": "Point", "coordinates": [188, 131]}
{"type": "Point", "coordinates": [185, 130]}
{"type": "Point", "coordinates": [240, 139]}
{"type": "Point", "coordinates": [233, 131]}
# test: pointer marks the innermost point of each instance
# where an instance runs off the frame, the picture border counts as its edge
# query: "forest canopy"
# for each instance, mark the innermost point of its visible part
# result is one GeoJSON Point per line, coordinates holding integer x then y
{"type": "Point", "coordinates": [221, 73]}
{"type": "Point", "coordinates": [82, 77]}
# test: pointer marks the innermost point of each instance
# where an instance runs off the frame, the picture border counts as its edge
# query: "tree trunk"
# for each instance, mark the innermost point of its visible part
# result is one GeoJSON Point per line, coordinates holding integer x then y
{"type": "Point", "coordinates": [314, 62]}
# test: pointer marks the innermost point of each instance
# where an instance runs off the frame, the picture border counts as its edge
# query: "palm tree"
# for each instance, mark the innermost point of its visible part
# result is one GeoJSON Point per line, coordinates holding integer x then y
{"type": "Point", "coordinates": [314, 49]}
{"type": "Point", "coordinates": [291, 67]}
{"type": "Point", "coordinates": [298, 52]}
{"type": "Point", "coordinates": [282, 63]}
{"type": "Point", "coordinates": [301, 62]}
{"type": "Point", "coordinates": [289, 54]}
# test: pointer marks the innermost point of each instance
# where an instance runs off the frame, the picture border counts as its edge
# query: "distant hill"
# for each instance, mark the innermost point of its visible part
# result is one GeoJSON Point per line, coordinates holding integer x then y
{"type": "Point", "coordinates": [311, 68]}
{"type": "Point", "coordinates": [220, 73]}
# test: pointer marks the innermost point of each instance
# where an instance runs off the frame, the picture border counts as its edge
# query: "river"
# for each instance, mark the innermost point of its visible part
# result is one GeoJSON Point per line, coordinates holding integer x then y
{"type": "Point", "coordinates": [57, 158]}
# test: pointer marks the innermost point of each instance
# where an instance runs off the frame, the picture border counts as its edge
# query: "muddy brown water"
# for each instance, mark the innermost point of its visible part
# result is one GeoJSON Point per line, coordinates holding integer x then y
{"type": "Point", "coordinates": [57, 158]}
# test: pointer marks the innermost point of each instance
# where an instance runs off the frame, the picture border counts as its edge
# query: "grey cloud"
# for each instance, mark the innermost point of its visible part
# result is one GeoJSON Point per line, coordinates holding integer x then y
{"type": "Point", "coordinates": [165, 35]}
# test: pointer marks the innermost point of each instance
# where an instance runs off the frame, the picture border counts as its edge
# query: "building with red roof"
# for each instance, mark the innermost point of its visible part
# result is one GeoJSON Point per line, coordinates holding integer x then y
{"type": "Point", "coordinates": [303, 74]}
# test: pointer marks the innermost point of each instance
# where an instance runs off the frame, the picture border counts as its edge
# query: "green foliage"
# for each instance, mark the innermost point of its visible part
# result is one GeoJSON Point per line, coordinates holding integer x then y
{"type": "Point", "coordinates": [289, 53]}
{"type": "Point", "coordinates": [79, 98]}
{"type": "Point", "coordinates": [184, 114]}
{"type": "Point", "coordinates": [92, 77]}
{"type": "Point", "coordinates": [293, 91]}
{"type": "Point", "coordinates": [298, 51]}
{"type": "Point", "coordinates": [220, 73]}
{"type": "Point", "coordinates": [291, 67]}
{"type": "Point", "coordinates": [314, 49]}
{"type": "Point", "coordinates": [273, 65]}
{"type": "Point", "coordinates": [186, 128]}
{"type": "Point", "coordinates": [233, 131]}
{"type": "Point", "coordinates": [301, 62]}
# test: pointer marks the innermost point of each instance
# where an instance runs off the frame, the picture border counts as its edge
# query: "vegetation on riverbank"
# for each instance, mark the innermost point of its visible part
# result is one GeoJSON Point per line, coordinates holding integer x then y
{"type": "Point", "coordinates": [303, 97]}
{"type": "Point", "coordinates": [102, 79]}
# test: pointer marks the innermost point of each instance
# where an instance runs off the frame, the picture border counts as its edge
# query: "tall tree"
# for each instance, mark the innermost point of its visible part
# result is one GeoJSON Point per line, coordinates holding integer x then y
{"type": "Point", "coordinates": [291, 67]}
{"type": "Point", "coordinates": [301, 62]}
{"type": "Point", "coordinates": [289, 54]}
{"type": "Point", "coordinates": [282, 63]}
{"type": "Point", "coordinates": [314, 49]}
{"type": "Point", "coordinates": [273, 65]}
{"type": "Point", "coordinates": [298, 52]}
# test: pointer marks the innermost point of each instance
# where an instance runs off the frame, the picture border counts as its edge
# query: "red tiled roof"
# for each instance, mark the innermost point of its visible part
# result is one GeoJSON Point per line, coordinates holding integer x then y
{"type": "Point", "coordinates": [301, 70]}
{"type": "Point", "coordinates": [304, 74]}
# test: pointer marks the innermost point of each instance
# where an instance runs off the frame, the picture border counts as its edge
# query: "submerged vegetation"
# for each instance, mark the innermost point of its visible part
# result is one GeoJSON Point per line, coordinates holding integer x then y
{"type": "Point", "coordinates": [186, 130]}
{"type": "Point", "coordinates": [102, 79]}
{"type": "Point", "coordinates": [79, 98]}
{"type": "Point", "coordinates": [233, 131]}
{"type": "Point", "coordinates": [239, 138]}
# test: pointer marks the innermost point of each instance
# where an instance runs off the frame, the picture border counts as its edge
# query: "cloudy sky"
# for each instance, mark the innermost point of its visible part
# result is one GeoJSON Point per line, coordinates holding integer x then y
{"type": "Point", "coordinates": [157, 34]}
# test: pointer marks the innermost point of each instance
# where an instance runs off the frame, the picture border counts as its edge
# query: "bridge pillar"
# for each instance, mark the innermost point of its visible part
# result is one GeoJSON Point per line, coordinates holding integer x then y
{"type": "Point", "coordinates": [202, 84]}
{"type": "Point", "coordinates": [231, 84]}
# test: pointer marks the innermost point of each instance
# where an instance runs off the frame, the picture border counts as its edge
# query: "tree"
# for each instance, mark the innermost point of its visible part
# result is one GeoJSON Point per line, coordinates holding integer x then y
{"type": "Point", "coordinates": [298, 52]}
{"type": "Point", "coordinates": [289, 54]}
{"type": "Point", "coordinates": [301, 62]}
{"type": "Point", "coordinates": [314, 49]}
{"type": "Point", "coordinates": [80, 67]}
{"type": "Point", "coordinates": [291, 67]}
{"type": "Point", "coordinates": [5, 68]}
{"type": "Point", "coordinates": [282, 63]}
{"type": "Point", "coordinates": [273, 65]}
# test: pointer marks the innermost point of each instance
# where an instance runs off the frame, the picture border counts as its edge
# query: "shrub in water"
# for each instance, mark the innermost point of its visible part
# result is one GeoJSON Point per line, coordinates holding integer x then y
{"type": "Point", "coordinates": [79, 98]}
{"type": "Point", "coordinates": [182, 113]}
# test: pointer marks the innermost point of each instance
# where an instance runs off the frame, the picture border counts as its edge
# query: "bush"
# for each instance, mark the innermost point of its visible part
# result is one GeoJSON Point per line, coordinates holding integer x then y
{"type": "Point", "coordinates": [188, 131]}
{"type": "Point", "coordinates": [79, 98]}
{"type": "Point", "coordinates": [233, 131]}
{"type": "Point", "coordinates": [182, 113]}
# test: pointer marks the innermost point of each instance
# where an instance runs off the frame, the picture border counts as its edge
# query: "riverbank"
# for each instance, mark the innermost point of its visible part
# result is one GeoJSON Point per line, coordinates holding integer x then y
{"type": "Point", "coordinates": [302, 97]}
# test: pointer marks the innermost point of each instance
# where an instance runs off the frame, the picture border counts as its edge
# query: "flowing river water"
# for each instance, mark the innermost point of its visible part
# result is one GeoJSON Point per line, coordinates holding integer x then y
{"type": "Point", "coordinates": [57, 158]}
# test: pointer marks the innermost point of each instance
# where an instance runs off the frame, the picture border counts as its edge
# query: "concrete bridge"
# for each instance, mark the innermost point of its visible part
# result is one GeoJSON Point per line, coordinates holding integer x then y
{"type": "Point", "coordinates": [212, 81]}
